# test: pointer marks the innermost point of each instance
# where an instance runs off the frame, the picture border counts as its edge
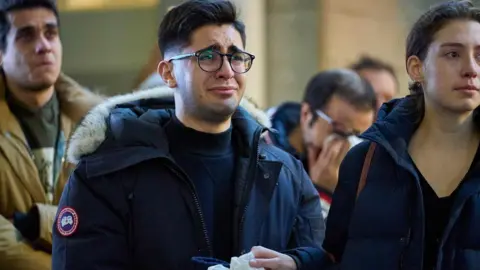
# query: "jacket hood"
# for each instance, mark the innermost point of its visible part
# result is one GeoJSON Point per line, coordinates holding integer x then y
{"type": "Point", "coordinates": [285, 118]}
{"type": "Point", "coordinates": [91, 133]}
{"type": "Point", "coordinates": [396, 122]}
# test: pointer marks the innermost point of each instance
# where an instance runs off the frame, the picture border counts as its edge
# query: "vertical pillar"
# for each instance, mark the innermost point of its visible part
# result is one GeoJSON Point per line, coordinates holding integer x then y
{"type": "Point", "coordinates": [253, 14]}
{"type": "Point", "coordinates": [292, 48]}
{"type": "Point", "coordinates": [350, 28]}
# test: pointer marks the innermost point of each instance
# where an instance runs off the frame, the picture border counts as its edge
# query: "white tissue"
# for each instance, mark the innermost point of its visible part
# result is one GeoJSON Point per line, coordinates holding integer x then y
{"type": "Point", "coordinates": [352, 140]}
{"type": "Point", "coordinates": [238, 263]}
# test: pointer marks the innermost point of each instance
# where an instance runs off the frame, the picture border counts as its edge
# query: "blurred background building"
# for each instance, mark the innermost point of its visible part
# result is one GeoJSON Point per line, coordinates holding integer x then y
{"type": "Point", "coordinates": [109, 45]}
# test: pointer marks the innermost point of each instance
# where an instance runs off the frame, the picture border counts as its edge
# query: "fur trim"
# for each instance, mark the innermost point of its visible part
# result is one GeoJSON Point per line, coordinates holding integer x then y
{"type": "Point", "coordinates": [91, 132]}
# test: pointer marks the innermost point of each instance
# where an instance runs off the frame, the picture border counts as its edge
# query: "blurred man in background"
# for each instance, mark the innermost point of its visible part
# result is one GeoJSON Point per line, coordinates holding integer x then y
{"type": "Point", "coordinates": [380, 75]}
{"type": "Point", "coordinates": [338, 105]}
{"type": "Point", "coordinates": [39, 106]}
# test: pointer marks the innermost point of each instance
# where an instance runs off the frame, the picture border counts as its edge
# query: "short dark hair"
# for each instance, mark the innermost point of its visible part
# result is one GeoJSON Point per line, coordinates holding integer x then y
{"type": "Point", "coordinates": [422, 34]}
{"type": "Point", "coordinates": [343, 83]}
{"type": "Point", "coordinates": [368, 62]}
{"type": "Point", "coordinates": [181, 21]}
{"type": "Point", "coordinates": [7, 6]}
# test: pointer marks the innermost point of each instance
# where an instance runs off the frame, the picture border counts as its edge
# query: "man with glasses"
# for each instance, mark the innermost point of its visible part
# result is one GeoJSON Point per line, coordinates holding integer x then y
{"type": "Point", "coordinates": [337, 106]}
{"type": "Point", "coordinates": [160, 181]}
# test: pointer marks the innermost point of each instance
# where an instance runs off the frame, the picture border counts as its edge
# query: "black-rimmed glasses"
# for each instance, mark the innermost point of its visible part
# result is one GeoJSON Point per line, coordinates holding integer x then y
{"type": "Point", "coordinates": [212, 61]}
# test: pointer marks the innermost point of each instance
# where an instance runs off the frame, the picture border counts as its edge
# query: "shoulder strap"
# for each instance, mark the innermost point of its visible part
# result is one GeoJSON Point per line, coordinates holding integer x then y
{"type": "Point", "coordinates": [343, 230]}
{"type": "Point", "coordinates": [366, 168]}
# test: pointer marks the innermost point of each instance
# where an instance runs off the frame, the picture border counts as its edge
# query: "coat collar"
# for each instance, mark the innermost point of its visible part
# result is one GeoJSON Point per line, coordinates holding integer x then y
{"type": "Point", "coordinates": [92, 131]}
{"type": "Point", "coordinates": [75, 102]}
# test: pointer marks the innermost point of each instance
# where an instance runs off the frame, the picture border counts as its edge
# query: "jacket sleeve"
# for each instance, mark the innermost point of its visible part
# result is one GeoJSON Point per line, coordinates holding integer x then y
{"type": "Point", "coordinates": [309, 230]}
{"type": "Point", "coordinates": [46, 218]}
{"type": "Point", "coordinates": [343, 201]}
{"type": "Point", "coordinates": [88, 231]}
{"type": "Point", "coordinates": [16, 253]}
{"type": "Point", "coordinates": [36, 225]}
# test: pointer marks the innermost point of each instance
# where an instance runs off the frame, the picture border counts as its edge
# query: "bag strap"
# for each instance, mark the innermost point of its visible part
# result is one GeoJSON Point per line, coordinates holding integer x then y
{"type": "Point", "coordinates": [366, 168]}
{"type": "Point", "coordinates": [361, 184]}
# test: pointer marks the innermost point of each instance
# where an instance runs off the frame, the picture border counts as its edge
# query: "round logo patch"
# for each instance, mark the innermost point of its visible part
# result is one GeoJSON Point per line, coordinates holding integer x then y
{"type": "Point", "coordinates": [67, 221]}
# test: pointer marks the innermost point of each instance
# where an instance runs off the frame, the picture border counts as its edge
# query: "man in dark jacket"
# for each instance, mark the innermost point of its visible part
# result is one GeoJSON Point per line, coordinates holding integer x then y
{"type": "Point", "coordinates": [162, 180]}
{"type": "Point", "coordinates": [338, 105]}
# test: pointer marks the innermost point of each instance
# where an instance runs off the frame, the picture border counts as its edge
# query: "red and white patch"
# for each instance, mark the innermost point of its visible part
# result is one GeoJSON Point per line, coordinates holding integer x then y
{"type": "Point", "coordinates": [67, 221]}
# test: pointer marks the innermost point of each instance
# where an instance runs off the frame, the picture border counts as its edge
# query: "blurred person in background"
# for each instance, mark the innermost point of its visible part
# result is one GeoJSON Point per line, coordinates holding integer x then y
{"type": "Point", "coordinates": [337, 106]}
{"type": "Point", "coordinates": [148, 76]}
{"type": "Point", "coordinates": [39, 107]}
{"type": "Point", "coordinates": [380, 75]}
{"type": "Point", "coordinates": [180, 171]}
{"type": "Point", "coordinates": [419, 207]}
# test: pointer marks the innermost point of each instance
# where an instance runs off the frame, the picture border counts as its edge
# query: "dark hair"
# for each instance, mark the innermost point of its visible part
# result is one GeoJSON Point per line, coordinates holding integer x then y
{"type": "Point", "coordinates": [7, 6]}
{"type": "Point", "coordinates": [368, 62]}
{"type": "Point", "coordinates": [343, 83]}
{"type": "Point", "coordinates": [423, 31]}
{"type": "Point", "coordinates": [180, 22]}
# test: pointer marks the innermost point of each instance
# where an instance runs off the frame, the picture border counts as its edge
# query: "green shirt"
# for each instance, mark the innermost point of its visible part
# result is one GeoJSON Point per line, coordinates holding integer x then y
{"type": "Point", "coordinates": [41, 129]}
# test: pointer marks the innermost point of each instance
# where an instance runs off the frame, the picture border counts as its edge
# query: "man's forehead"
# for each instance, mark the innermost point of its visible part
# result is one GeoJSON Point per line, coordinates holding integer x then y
{"type": "Point", "coordinates": [32, 17]}
{"type": "Point", "coordinates": [229, 46]}
{"type": "Point", "coordinates": [223, 37]}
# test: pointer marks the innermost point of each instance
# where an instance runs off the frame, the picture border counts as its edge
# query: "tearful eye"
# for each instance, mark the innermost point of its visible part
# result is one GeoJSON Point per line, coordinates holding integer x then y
{"type": "Point", "coordinates": [206, 56]}
{"type": "Point", "coordinates": [452, 54]}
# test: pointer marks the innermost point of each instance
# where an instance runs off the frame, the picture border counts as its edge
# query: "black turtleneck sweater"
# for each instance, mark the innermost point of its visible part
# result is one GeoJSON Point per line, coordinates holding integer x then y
{"type": "Point", "coordinates": [209, 161]}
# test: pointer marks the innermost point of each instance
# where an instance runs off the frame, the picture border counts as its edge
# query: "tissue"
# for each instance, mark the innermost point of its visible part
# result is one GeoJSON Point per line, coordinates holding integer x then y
{"type": "Point", "coordinates": [238, 263]}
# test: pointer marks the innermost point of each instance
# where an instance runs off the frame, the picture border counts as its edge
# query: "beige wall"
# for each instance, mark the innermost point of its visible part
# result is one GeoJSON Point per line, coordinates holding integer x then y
{"type": "Point", "coordinates": [252, 12]}
{"type": "Point", "coordinates": [292, 48]}
{"type": "Point", "coordinates": [292, 40]}
{"type": "Point", "coordinates": [349, 28]}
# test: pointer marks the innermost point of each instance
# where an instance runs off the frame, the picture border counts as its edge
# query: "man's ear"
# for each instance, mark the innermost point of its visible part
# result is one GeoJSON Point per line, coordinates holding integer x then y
{"type": "Point", "coordinates": [165, 70]}
{"type": "Point", "coordinates": [305, 114]}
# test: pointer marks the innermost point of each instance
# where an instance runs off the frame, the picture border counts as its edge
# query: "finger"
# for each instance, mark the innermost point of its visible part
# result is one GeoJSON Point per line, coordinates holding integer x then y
{"type": "Point", "coordinates": [264, 253]}
{"type": "Point", "coordinates": [342, 152]}
{"type": "Point", "coordinates": [336, 153]}
{"type": "Point", "coordinates": [345, 148]}
{"type": "Point", "coordinates": [330, 151]}
{"type": "Point", "coordinates": [273, 263]}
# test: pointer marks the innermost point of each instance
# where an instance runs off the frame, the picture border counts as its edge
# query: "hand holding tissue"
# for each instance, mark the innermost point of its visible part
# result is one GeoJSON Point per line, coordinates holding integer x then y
{"type": "Point", "coordinates": [238, 263]}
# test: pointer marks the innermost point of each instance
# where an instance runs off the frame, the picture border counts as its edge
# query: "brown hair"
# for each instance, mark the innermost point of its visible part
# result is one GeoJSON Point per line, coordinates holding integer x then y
{"type": "Point", "coordinates": [422, 34]}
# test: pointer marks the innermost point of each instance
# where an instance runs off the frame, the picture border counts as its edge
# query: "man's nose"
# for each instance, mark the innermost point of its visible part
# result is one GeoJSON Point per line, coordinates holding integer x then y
{"type": "Point", "coordinates": [226, 72]}
{"type": "Point", "coordinates": [43, 45]}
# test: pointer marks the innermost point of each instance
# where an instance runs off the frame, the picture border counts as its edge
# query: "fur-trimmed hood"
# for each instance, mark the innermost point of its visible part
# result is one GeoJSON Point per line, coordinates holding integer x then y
{"type": "Point", "coordinates": [92, 131]}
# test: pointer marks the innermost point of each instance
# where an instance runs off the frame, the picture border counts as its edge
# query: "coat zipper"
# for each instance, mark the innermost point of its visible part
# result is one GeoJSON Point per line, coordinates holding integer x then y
{"type": "Point", "coordinates": [131, 224]}
{"type": "Point", "coordinates": [251, 173]}
{"type": "Point", "coordinates": [185, 178]}
{"type": "Point", "coordinates": [406, 242]}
